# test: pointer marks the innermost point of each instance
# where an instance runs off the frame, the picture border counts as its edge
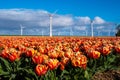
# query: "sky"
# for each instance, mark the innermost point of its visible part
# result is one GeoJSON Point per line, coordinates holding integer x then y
{"type": "Point", "coordinates": [72, 17]}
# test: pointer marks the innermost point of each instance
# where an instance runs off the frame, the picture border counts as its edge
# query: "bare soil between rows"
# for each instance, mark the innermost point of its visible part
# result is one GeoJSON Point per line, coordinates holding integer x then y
{"type": "Point", "coordinates": [107, 75]}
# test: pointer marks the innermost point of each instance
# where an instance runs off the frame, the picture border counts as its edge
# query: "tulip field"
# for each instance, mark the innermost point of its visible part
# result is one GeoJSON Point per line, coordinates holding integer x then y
{"type": "Point", "coordinates": [57, 58]}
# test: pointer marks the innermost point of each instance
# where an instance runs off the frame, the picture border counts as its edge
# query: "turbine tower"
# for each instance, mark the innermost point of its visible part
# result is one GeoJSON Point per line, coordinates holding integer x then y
{"type": "Point", "coordinates": [109, 32]}
{"type": "Point", "coordinates": [71, 31]}
{"type": "Point", "coordinates": [92, 28]}
{"type": "Point", "coordinates": [21, 29]}
{"type": "Point", "coordinates": [98, 33]}
{"type": "Point", "coordinates": [51, 16]}
{"type": "Point", "coordinates": [42, 32]}
{"type": "Point", "coordinates": [86, 32]}
{"type": "Point", "coordinates": [58, 33]}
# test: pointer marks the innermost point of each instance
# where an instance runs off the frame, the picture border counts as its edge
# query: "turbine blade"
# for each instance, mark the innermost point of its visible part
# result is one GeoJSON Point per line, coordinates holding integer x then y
{"type": "Point", "coordinates": [54, 13]}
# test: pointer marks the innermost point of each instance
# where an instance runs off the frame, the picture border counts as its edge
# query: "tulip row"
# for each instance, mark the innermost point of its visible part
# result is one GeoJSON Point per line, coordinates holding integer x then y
{"type": "Point", "coordinates": [50, 53]}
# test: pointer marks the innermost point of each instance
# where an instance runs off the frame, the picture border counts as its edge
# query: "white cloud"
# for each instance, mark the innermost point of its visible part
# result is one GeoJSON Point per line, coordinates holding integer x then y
{"type": "Point", "coordinates": [39, 17]}
{"type": "Point", "coordinates": [36, 21]}
{"type": "Point", "coordinates": [80, 27]}
{"type": "Point", "coordinates": [63, 21]}
{"type": "Point", "coordinates": [98, 20]}
{"type": "Point", "coordinates": [22, 14]}
{"type": "Point", "coordinates": [100, 27]}
{"type": "Point", "coordinates": [83, 20]}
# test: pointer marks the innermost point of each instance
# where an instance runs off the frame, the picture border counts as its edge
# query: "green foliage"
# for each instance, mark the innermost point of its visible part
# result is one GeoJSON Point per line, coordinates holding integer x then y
{"type": "Point", "coordinates": [17, 70]}
{"type": "Point", "coordinates": [23, 69]}
{"type": "Point", "coordinates": [104, 63]}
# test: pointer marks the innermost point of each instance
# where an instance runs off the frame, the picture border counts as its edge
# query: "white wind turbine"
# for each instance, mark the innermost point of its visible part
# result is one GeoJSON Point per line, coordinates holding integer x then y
{"type": "Point", "coordinates": [98, 33]}
{"type": "Point", "coordinates": [58, 33]}
{"type": "Point", "coordinates": [21, 29]}
{"type": "Point", "coordinates": [51, 16]}
{"type": "Point", "coordinates": [92, 32]}
{"type": "Point", "coordinates": [86, 32]}
{"type": "Point", "coordinates": [42, 32]}
{"type": "Point", "coordinates": [71, 31]}
{"type": "Point", "coordinates": [107, 31]}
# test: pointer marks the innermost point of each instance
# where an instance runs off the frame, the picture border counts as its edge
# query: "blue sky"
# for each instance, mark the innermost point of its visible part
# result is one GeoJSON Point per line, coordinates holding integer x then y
{"type": "Point", "coordinates": [107, 9]}
{"type": "Point", "coordinates": [71, 12]}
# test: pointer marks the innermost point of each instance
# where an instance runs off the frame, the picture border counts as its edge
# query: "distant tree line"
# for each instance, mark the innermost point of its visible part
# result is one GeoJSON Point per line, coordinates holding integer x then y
{"type": "Point", "coordinates": [118, 30]}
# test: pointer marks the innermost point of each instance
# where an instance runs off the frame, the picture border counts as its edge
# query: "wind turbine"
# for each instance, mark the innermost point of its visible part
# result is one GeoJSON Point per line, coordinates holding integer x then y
{"type": "Point", "coordinates": [71, 32]}
{"type": "Point", "coordinates": [98, 33]}
{"type": "Point", "coordinates": [21, 29]}
{"type": "Point", "coordinates": [51, 16]}
{"type": "Point", "coordinates": [58, 33]}
{"type": "Point", "coordinates": [117, 28]}
{"type": "Point", "coordinates": [42, 32]}
{"type": "Point", "coordinates": [109, 32]}
{"type": "Point", "coordinates": [92, 28]}
{"type": "Point", "coordinates": [86, 32]}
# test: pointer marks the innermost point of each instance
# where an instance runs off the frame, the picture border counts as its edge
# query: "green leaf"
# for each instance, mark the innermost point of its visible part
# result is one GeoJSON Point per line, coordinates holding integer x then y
{"type": "Point", "coordinates": [31, 73]}
{"type": "Point", "coordinates": [5, 64]}
{"type": "Point", "coordinates": [26, 59]}
{"type": "Point", "coordinates": [86, 75]}
{"type": "Point", "coordinates": [27, 78]}
{"type": "Point", "coordinates": [2, 73]}
{"type": "Point", "coordinates": [12, 77]}
{"type": "Point", "coordinates": [65, 72]}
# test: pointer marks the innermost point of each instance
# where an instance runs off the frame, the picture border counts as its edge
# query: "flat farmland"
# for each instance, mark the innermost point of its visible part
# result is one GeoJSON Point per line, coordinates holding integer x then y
{"type": "Point", "coordinates": [58, 57]}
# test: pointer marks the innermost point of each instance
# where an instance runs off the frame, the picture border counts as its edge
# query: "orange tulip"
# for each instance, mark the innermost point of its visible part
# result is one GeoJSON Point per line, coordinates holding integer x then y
{"type": "Point", "coordinates": [106, 50]}
{"type": "Point", "coordinates": [30, 52]}
{"type": "Point", "coordinates": [64, 60]}
{"type": "Point", "coordinates": [4, 53]}
{"type": "Point", "coordinates": [79, 61]}
{"type": "Point", "coordinates": [52, 63]}
{"type": "Point", "coordinates": [37, 59]}
{"type": "Point", "coordinates": [117, 48]}
{"type": "Point", "coordinates": [41, 69]}
{"type": "Point", "coordinates": [53, 54]}
{"type": "Point", "coordinates": [62, 66]}
{"type": "Point", "coordinates": [93, 54]}
{"type": "Point", "coordinates": [69, 53]}
{"type": "Point", "coordinates": [96, 54]}
{"type": "Point", "coordinates": [13, 56]}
